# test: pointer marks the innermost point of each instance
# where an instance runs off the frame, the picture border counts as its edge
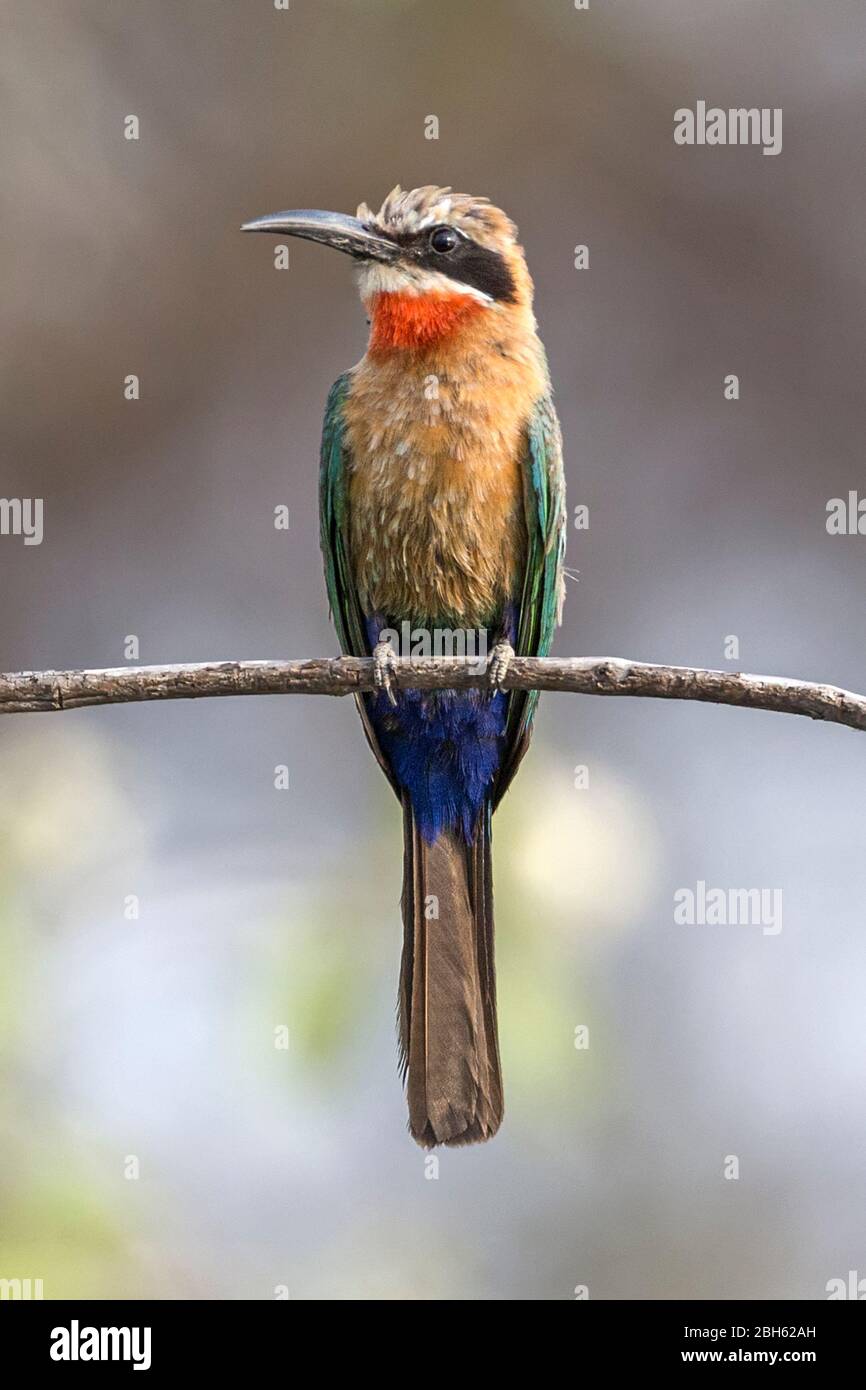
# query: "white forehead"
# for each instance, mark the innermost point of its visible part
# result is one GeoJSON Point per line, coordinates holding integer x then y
{"type": "Point", "coordinates": [415, 210]}
{"type": "Point", "coordinates": [416, 219]}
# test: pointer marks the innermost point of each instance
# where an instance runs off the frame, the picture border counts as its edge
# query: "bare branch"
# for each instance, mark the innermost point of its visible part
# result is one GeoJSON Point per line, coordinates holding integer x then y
{"type": "Point", "coordinates": [29, 691]}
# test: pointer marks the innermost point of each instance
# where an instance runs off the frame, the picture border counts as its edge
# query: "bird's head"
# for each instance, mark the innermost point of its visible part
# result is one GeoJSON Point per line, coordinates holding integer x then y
{"type": "Point", "coordinates": [429, 262]}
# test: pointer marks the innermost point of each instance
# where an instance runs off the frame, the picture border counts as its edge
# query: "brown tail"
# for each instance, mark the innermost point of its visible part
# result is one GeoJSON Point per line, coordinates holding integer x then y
{"type": "Point", "coordinates": [448, 1042]}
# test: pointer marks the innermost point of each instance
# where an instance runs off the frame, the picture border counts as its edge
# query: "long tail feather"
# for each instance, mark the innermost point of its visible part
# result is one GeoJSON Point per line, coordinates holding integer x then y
{"type": "Point", "coordinates": [447, 1001]}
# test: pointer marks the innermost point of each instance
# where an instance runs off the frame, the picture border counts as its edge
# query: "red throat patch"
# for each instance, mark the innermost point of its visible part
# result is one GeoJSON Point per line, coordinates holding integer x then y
{"type": "Point", "coordinates": [417, 320]}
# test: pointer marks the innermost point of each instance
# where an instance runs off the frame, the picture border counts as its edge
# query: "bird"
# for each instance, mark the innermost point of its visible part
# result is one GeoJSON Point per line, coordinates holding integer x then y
{"type": "Point", "coordinates": [442, 510]}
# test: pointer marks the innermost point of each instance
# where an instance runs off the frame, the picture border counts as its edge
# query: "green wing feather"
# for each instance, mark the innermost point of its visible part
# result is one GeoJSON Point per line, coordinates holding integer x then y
{"type": "Point", "coordinates": [334, 527]}
{"type": "Point", "coordinates": [333, 537]}
{"type": "Point", "coordinates": [543, 585]}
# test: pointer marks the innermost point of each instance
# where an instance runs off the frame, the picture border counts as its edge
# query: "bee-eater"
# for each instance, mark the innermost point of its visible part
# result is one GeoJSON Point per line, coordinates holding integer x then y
{"type": "Point", "coordinates": [442, 506]}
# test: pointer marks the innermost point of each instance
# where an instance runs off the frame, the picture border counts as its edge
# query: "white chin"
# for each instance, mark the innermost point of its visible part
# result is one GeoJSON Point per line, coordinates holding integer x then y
{"type": "Point", "coordinates": [389, 279]}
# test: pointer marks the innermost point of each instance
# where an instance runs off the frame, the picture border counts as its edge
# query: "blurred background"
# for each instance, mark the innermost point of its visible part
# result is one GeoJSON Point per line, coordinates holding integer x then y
{"type": "Point", "coordinates": [152, 1039]}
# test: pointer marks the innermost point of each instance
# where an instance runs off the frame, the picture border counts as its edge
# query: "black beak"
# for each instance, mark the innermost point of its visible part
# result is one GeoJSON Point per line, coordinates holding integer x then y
{"type": "Point", "coordinates": [331, 229]}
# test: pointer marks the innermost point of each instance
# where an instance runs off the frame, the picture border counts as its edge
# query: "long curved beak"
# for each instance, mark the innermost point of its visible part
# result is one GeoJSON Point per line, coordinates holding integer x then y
{"type": "Point", "coordinates": [331, 229]}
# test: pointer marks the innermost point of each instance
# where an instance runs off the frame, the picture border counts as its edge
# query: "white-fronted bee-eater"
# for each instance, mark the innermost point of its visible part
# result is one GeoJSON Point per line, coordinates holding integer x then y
{"type": "Point", "coordinates": [442, 509]}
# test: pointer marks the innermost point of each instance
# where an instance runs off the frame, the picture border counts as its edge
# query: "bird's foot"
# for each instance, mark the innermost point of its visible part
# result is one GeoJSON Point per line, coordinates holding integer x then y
{"type": "Point", "coordinates": [384, 666]}
{"type": "Point", "coordinates": [501, 657]}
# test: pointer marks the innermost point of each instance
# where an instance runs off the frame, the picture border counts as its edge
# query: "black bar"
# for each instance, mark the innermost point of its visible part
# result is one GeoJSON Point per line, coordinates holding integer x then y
{"type": "Point", "coordinates": [219, 1339]}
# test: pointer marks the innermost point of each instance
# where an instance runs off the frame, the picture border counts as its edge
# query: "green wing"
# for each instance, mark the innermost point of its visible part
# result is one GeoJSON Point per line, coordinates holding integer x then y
{"type": "Point", "coordinates": [334, 540]}
{"type": "Point", "coordinates": [544, 580]}
{"type": "Point", "coordinates": [334, 527]}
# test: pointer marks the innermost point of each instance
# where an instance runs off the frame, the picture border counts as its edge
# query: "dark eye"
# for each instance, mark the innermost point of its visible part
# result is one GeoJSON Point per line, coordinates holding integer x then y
{"type": "Point", "coordinates": [443, 239]}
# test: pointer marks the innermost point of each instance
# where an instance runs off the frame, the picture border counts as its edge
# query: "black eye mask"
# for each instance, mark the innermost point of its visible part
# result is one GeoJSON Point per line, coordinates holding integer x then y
{"type": "Point", "coordinates": [466, 262]}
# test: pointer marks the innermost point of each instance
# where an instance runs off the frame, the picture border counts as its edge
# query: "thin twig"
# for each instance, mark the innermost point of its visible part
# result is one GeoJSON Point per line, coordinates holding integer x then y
{"type": "Point", "coordinates": [30, 691]}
